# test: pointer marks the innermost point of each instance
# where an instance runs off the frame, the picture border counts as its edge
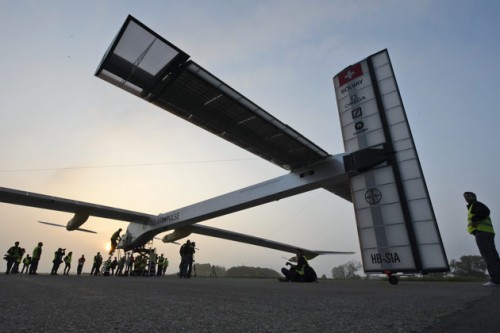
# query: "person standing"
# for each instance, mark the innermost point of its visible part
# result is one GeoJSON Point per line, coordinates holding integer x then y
{"type": "Point", "coordinates": [129, 262]}
{"type": "Point", "coordinates": [79, 268]}
{"type": "Point", "coordinates": [480, 226]}
{"type": "Point", "coordinates": [97, 264]}
{"type": "Point", "coordinates": [191, 251]}
{"type": "Point", "coordinates": [67, 262]}
{"type": "Point", "coordinates": [121, 265]}
{"type": "Point", "coordinates": [26, 264]}
{"type": "Point", "coordinates": [165, 266]}
{"type": "Point", "coordinates": [113, 266]}
{"type": "Point", "coordinates": [153, 257]}
{"type": "Point", "coordinates": [12, 255]}
{"type": "Point", "coordinates": [58, 259]}
{"type": "Point", "coordinates": [184, 252]}
{"type": "Point", "coordinates": [37, 253]}
{"type": "Point", "coordinates": [161, 260]}
{"type": "Point", "coordinates": [15, 268]}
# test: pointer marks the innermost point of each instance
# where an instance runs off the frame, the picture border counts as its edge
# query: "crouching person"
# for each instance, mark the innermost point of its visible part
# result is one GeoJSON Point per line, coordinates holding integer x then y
{"type": "Point", "coordinates": [301, 272]}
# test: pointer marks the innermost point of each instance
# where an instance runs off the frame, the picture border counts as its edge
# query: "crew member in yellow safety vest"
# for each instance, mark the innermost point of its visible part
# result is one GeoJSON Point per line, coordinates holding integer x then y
{"type": "Point", "coordinates": [479, 224]}
{"type": "Point", "coordinates": [301, 272]}
{"type": "Point", "coordinates": [26, 263]}
{"type": "Point", "coordinates": [67, 263]}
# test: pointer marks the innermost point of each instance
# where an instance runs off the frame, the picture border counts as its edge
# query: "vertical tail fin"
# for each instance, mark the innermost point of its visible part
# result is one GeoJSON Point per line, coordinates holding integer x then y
{"type": "Point", "coordinates": [396, 224]}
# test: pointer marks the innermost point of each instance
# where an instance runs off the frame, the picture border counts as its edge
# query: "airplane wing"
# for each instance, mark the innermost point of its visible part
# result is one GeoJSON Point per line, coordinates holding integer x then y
{"type": "Point", "coordinates": [36, 200]}
{"type": "Point", "coordinates": [31, 199]}
{"type": "Point", "coordinates": [143, 63]}
{"type": "Point", "coordinates": [243, 238]}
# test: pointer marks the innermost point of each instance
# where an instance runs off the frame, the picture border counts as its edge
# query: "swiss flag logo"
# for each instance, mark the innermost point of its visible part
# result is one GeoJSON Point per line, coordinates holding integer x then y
{"type": "Point", "coordinates": [350, 73]}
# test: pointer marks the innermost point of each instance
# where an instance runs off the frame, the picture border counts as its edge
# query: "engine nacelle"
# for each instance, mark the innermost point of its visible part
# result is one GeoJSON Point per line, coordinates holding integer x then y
{"type": "Point", "coordinates": [80, 218]}
{"type": "Point", "coordinates": [176, 235]}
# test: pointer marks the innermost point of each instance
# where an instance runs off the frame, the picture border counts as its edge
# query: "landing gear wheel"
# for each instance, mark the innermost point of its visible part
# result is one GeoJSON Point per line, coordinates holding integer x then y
{"type": "Point", "coordinates": [393, 280]}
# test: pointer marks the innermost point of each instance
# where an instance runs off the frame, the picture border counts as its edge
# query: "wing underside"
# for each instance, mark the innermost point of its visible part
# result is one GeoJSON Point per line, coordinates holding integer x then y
{"type": "Point", "coordinates": [243, 238]}
{"type": "Point", "coordinates": [184, 88]}
{"type": "Point", "coordinates": [36, 200]}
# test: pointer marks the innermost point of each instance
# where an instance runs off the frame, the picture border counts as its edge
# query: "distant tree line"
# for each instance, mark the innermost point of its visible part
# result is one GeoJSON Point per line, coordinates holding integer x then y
{"type": "Point", "coordinates": [347, 270]}
{"type": "Point", "coordinates": [208, 270]}
{"type": "Point", "coordinates": [468, 266]}
{"type": "Point", "coordinates": [471, 266]}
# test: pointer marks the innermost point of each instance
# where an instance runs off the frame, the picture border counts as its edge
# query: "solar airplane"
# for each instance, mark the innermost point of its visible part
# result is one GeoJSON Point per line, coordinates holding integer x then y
{"type": "Point", "coordinates": [379, 172]}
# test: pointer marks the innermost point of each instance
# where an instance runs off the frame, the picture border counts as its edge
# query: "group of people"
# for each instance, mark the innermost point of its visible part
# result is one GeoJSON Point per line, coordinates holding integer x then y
{"type": "Point", "coordinates": [14, 257]}
{"type": "Point", "coordinates": [15, 254]}
{"type": "Point", "coordinates": [150, 264]}
{"type": "Point", "coordinates": [146, 263]}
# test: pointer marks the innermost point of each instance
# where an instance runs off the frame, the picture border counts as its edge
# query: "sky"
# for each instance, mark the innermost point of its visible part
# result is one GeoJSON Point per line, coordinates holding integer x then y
{"type": "Point", "coordinates": [66, 133]}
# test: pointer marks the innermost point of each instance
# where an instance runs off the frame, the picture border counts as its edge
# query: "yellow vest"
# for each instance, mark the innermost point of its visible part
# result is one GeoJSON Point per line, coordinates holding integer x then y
{"type": "Point", "coordinates": [302, 270]}
{"type": "Point", "coordinates": [483, 225]}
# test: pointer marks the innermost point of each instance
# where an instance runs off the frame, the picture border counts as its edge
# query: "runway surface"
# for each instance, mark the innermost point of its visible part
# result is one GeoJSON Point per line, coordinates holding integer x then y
{"type": "Point", "coordinates": [72, 303]}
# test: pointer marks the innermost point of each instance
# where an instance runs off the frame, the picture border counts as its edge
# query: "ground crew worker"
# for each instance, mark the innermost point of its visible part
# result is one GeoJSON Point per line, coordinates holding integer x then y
{"type": "Point", "coordinates": [121, 265]}
{"type": "Point", "coordinates": [79, 268]}
{"type": "Point", "coordinates": [107, 267]}
{"type": "Point", "coordinates": [184, 252]}
{"type": "Point", "coordinates": [58, 259]}
{"type": "Point", "coordinates": [165, 266]}
{"type": "Point", "coordinates": [480, 225]}
{"type": "Point", "coordinates": [15, 268]}
{"type": "Point", "coordinates": [12, 254]}
{"type": "Point", "coordinates": [129, 262]}
{"type": "Point", "coordinates": [152, 262]}
{"type": "Point", "coordinates": [114, 264]}
{"type": "Point", "coordinates": [115, 238]}
{"type": "Point", "coordinates": [67, 262]}
{"type": "Point", "coordinates": [191, 251]}
{"type": "Point", "coordinates": [140, 264]}
{"type": "Point", "coordinates": [161, 260]}
{"type": "Point", "coordinates": [213, 272]}
{"type": "Point", "coordinates": [35, 259]}
{"type": "Point", "coordinates": [97, 264]}
{"type": "Point", "coordinates": [26, 264]}
{"type": "Point", "coordinates": [301, 272]}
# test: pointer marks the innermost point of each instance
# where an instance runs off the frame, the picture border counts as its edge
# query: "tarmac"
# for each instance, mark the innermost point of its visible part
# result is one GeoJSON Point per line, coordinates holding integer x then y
{"type": "Point", "coordinates": [45, 303]}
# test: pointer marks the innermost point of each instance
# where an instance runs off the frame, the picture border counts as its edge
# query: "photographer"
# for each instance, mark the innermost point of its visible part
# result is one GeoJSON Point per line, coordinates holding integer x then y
{"type": "Point", "coordinates": [301, 272]}
{"type": "Point", "coordinates": [13, 253]}
{"type": "Point", "coordinates": [58, 259]}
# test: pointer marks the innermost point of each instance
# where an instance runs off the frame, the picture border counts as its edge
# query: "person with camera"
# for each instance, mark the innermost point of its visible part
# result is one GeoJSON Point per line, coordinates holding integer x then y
{"type": "Point", "coordinates": [13, 253]}
{"type": "Point", "coordinates": [301, 272]}
{"type": "Point", "coordinates": [58, 259]}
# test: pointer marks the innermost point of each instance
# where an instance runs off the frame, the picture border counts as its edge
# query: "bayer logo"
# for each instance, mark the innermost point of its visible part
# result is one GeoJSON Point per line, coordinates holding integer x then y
{"type": "Point", "coordinates": [373, 196]}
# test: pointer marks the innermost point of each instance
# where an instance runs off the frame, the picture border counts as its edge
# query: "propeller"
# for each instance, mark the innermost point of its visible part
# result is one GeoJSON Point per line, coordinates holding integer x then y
{"type": "Point", "coordinates": [169, 242]}
{"type": "Point", "coordinates": [63, 226]}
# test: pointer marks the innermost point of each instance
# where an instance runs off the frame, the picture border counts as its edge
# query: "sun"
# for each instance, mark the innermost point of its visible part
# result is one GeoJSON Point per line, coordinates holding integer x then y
{"type": "Point", "coordinates": [107, 247]}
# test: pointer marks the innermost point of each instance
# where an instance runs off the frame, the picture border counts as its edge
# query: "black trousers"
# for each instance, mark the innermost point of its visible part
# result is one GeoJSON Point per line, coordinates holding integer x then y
{"type": "Point", "coordinates": [486, 243]}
